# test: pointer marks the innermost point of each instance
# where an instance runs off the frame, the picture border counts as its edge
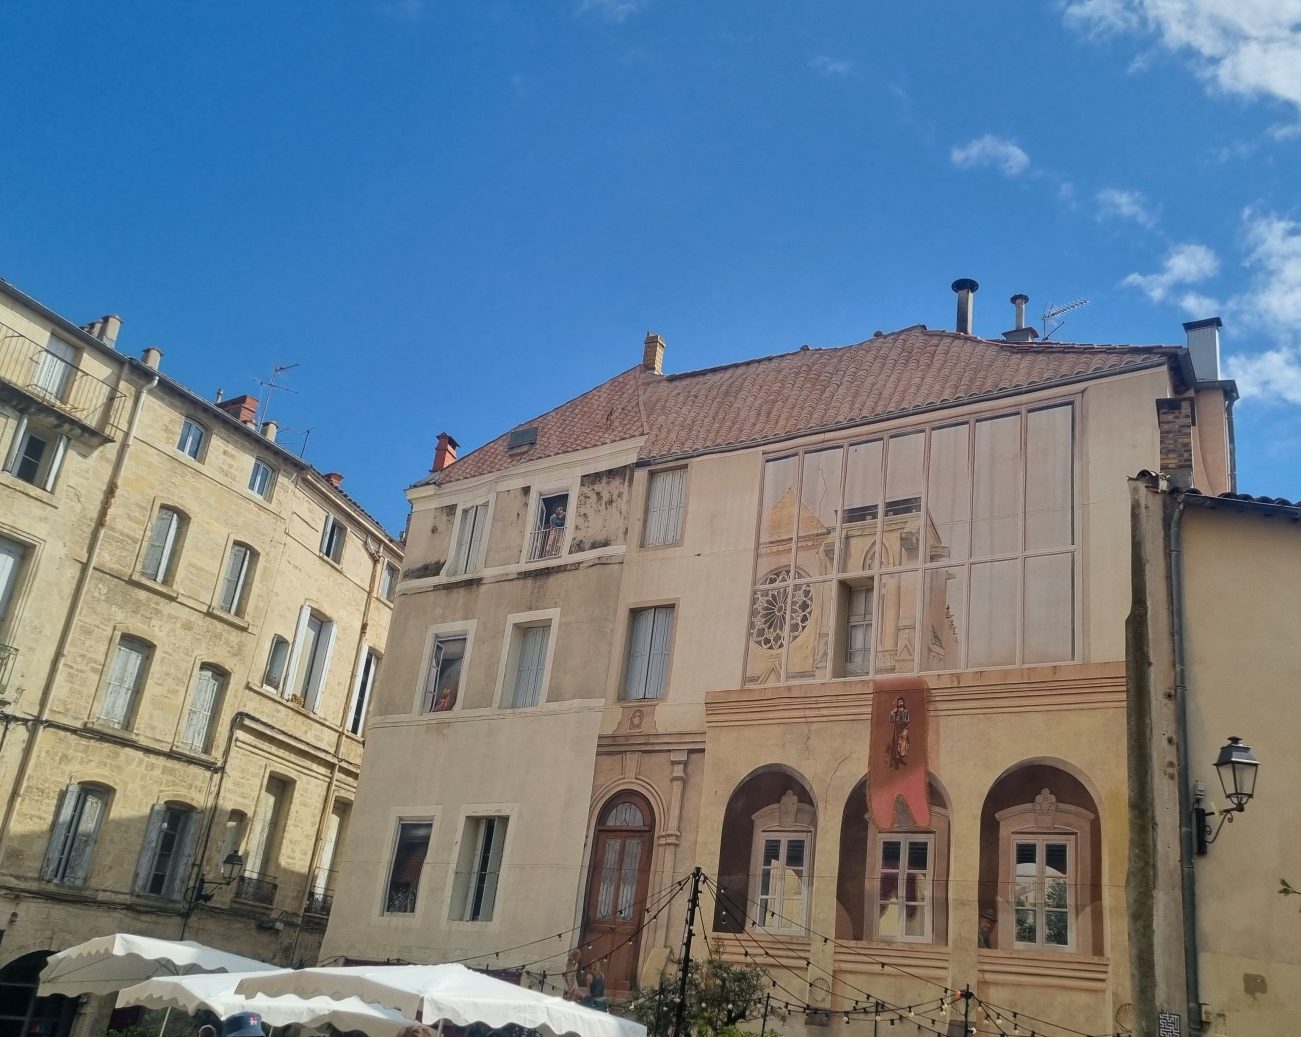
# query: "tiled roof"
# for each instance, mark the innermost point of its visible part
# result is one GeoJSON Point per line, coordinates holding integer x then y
{"type": "Point", "coordinates": [790, 394]}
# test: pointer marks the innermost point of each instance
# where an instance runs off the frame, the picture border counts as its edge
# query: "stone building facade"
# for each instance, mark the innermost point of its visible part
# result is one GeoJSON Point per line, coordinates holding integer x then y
{"type": "Point", "coordinates": [665, 625]}
{"type": "Point", "coordinates": [191, 625]}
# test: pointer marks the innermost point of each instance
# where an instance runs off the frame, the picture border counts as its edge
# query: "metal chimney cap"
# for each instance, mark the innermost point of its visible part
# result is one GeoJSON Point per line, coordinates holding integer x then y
{"type": "Point", "coordinates": [1209, 322]}
{"type": "Point", "coordinates": [1020, 297]}
{"type": "Point", "coordinates": [965, 284]}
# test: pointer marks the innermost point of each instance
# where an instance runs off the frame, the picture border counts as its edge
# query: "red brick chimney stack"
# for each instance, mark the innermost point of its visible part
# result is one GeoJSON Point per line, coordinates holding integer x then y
{"type": "Point", "coordinates": [242, 408]}
{"type": "Point", "coordinates": [335, 479]}
{"type": "Point", "coordinates": [445, 452]}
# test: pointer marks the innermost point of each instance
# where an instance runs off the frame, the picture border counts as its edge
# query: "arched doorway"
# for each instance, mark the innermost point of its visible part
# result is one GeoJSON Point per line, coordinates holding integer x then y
{"type": "Point", "coordinates": [616, 889]}
{"type": "Point", "coordinates": [22, 1013]}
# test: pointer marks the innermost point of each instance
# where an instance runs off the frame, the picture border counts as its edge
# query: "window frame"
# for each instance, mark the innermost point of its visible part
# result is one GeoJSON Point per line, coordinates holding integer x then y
{"type": "Point", "coordinates": [276, 641]}
{"type": "Point", "coordinates": [929, 900]}
{"type": "Point", "coordinates": [180, 853]}
{"type": "Point", "coordinates": [769, 825]}
{"type": "Point", "coordinates": [219, 678]}
{"type": "Point", "coordinates": [543, 542]}
{"type": "Point", "coordinates": [133, 692]}
{"type": "Point", "coordinates": [334, 537]}
{"type": "Point", "coordinates": [13, 578]}
{"type": "Point", "coordinates": [185, 445]}
{"type": "Point", "coordinates": [470, 888]}
{"type": "Point", "coordinates": [388, 582]}
{"type": "Point", "coordinates": [632, 667]}
{"type": "Point", "coordinates": [46, 473]}
{"type": "Point", "coordinates": [676, 513]}
{"type": "Point", "coordinates": [243, 582]}
{"type": "Point", "coordinates": [517, 624]}
{"type": "Point", "coordinates": [386, 887]}
{"type": "Point", "coordinates": [476, 545]}
{"type": "Point", "coordinates": [363, 690]}
{"type": "Point", "coordinates": [66, 831]}
{"type": "Point", "coordinates": [269, 483]}
{"type": "Point", "coordinates": [169, 551]}
{"type": "Point", "coordinates": [68, 368]}
{"type": "Point", "coordinates": [426, 691]}
{"type": "Point", "coordinates": [314, 683]}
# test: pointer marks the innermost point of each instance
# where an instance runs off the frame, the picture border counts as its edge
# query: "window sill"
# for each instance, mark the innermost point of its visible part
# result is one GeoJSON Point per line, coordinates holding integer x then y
{"type": "Point", "coordinates": [31, 490]}
{"type": "Point", "coordinates": [194, 754]}
{"type": "Point", "coordinates": [120, 734]}
{"type": "Point", "coordinates": [237, 622]}
{"type": "Point", "coordinates": [154, 587]}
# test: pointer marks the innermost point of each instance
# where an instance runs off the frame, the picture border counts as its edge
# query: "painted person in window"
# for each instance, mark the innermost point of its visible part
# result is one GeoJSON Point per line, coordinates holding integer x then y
{"type": "Point", "coordinates": [446, 700]}
{"type": "Point", "coordinates": [985, 934]}
{"type": "Point", "coordinates": [573, 967]}
{"type": "Point", "coordinates": [897, 753]}
{"type": "Point", "coordinates": [595, 980]}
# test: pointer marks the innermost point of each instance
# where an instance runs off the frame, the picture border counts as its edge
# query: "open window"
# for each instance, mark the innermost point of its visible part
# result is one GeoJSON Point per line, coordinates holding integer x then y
{"type": "Point", "coordinates": [409, 851]}
{"type": "Point", "coordinates": [73, 835]}
{"type": "Point", "coordinates": [547, 537]}
{"type": "Point", "coordinates": [167, 851]}
{"type": "Point", "coordinates": [164, 545]}
{"type": "Point", "coordinates": [443, 680]}
{"type": "Point", "coordinates": [471, 529]}
{"type": "Point", "coordinates": [478, 870]}
{"type": "Point", "coordinates": [36, 453]}
{"type": "Point", "coordinates": [237, 579]}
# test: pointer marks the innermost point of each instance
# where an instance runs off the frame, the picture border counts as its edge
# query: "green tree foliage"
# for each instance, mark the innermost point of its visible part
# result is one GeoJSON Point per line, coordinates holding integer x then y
{"type": "Point", "coordinates": [720, 997]}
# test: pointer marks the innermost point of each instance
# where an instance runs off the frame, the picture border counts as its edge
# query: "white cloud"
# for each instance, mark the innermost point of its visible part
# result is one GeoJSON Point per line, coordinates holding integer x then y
{"type": "Point", "coordinates": [1115, 204]}
{"type": "Point", "coordinates": [993, 152]}
{"type": "Point", "coordinates": [1272, 302]}
{"type": "Point", "coordinates": [1274, 374]}
{"type": "Point", "coordinates": [610, 10]}
{"type": "Point", "coordinates": [1247, 47]}
{"type": "Point", "coordinates": [832, 68]}
{"type": "Point", "coordinates": [1184, 264]}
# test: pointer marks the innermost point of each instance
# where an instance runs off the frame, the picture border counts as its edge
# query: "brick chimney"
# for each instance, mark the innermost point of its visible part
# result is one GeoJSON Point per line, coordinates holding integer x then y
{"type": "Point", "coordinates": [335, 479]}
{"type": "Point", "coordinates": [652, 357]}
{"type": "Point", "coordinates": [966, 290]}
{"type": "Point", "coordinates": [445, 452]}
{"type": "Point", "coordinates": [1174, 420]}
{"type": "Point", "coordinates": [241, 408]}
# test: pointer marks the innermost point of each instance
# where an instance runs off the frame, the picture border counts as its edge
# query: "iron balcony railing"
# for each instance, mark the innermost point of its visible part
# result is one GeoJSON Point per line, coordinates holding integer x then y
{"type": "Point", "coordinates": [546, 542]}
{"type": "Point", "coordinates": [58, 383]}
{"type": "Point", "coordinates": [7, 655]}
{"type": "Point", "coordinates": [319, 902]}
{"type": "Point", "coordinates": [257, 889]}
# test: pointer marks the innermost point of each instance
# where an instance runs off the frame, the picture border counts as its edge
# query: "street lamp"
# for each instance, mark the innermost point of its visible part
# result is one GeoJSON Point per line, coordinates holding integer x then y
{"type": "Point", "coordinates": [1237, 770]}
{"type": "Point", "coordinates": [203, 891]}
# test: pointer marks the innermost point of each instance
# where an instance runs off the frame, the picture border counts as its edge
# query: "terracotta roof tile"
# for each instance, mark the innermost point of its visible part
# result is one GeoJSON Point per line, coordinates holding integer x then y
{"type": "Point", "coordinates": [789, 394]}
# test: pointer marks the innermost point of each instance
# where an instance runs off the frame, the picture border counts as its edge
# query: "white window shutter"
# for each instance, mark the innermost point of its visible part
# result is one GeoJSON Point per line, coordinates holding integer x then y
{"type": "Point", "coordinates": [11, 560]}
{"type": "Point", "coordinates": [161, 538]}
{"type": "Point", "coordinates": [207, 690]}
{"type": "Point", "coordinates": [149, 849]}
{"type": "Point", "coordinates": [59, 834]}
{"type": "Point", "coordinates": [498, 842]}
{"type": "Point", "coordinates": [312, 695]}
{"type": "Point", "coordinates": [123, 681]}
{"type": "Point", "coordinates": [295, 653]}
{"type": "Point", "coordinates": [232, 584]}
{"type": "Point", "coordinates": [16, 444]}
{"type": "Point", "coordinates": [464, 538]}
{"type": "Point", "coordinates": [60, 448]}
{"type": "Point", "coordinates": [639, 650]}
{"type": "Point", "coordinates": [183, 859]}
{"type": "Point", "coordinates": [83, 839]}
{"type": "Point", "coordinates": [528, 674]}
{"type": "Point", "coordinates": [658, 666]}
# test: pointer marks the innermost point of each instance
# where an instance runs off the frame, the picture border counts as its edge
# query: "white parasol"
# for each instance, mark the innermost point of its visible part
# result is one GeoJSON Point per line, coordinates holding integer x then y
{"type": "Point", "coordinates": [106, 964]}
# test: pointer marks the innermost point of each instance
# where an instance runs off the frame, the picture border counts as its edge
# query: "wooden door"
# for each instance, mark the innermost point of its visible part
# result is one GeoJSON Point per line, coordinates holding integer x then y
{"type": "Point", "coordinates": [616, 891]}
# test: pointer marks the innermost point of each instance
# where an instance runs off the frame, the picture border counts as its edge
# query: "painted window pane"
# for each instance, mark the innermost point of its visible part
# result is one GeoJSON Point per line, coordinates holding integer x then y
{"type": "Point", "coordinates": [996, 505]}
{"type": "Point", "coordinates": [993, 614]}
{"type": "Point", "coordinates": [948, 496]}
{"type": "Point", "coordinates": [818, 514]}
{"type": "Point", "coordinates": [665, 497]}
{"type": "Point", "coordinates": [901, 526]}
{"type": "Point", "coordinates": [858, 630]}
{"type": "Point", "coordinates": [408, 862]}
{"type": "Point", "coordinates": [532, 649]}
{"type": "Point", "coordinates": [808, 656]}
{"type": "Point", "coordinates": [944, 614]}
{"type": "Point", "coordinates": [443, 682]}
{"type": "Point", "coordinates": [896, 641]}
{"type": "Point", "coordinates": [862, 507]}
{"type": "Point", "coordinates": [1049, 479]}
{"type": "Point", "coordinates": [1049, 608]}
{"type": "Point", "coordinates": [649, 643]}
{"type": "Point", "coordinates": [777, 514]}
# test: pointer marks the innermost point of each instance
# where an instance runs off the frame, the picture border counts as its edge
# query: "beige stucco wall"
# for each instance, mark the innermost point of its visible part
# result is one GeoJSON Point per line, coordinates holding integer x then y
{"type": "Point", "coordinates": [255, 732]}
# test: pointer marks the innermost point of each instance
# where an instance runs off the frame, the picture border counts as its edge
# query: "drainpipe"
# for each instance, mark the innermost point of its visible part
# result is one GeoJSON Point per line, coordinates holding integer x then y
{"type": "Point", "coordinates": [1187, 844]}
{"type": "Point", "coordinates": [74, 609]}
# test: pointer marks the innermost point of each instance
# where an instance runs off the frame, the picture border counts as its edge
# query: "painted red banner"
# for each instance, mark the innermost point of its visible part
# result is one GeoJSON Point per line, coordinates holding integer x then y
{"type": "Point", "coordinates": [897, 765]}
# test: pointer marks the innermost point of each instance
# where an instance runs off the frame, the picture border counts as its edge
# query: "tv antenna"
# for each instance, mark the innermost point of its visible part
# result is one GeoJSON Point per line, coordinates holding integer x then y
{"type": "Point", "coordinates": [269, 386]}
{"type": "Point", "coordinates": [1054, 315]}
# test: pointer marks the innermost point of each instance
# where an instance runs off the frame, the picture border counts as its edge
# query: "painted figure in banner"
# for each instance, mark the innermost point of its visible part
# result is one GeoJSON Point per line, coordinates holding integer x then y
{"type": "Point", "coordinates": [897, 752]}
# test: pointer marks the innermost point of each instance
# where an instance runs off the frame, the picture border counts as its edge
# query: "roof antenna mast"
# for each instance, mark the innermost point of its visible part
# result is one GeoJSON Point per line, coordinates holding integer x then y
{"type": "Point", "coordinates": [1053, 315]}
{"type": "Point", "coordinates": [269, 386]}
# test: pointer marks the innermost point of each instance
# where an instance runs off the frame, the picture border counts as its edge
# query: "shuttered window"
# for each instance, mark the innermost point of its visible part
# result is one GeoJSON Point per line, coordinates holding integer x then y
{"type": "Point", "coordinates": [649, 642]}
{"type": "Point", "coordinates": [235, 581]}
{"type": "Point", "coordinates": [203, 707]}
{"type": "Point", "coordinates": [125, 676]}
{"type": "Point", "coordinates": [665, 497]}
{"type": "Point", "coordinates": [530, 662]}
{"type": "Point", "coordinates": [168, 851]}
{"type": "Point", "coordinates": [469, 540]}
{"type": "Point", "coordinates": [72, 839]}
{"type": "Point", "coordinates": [11, 563]}
{"type": "Point", "coordinates": [193, 437]}
{"type": "Point", "coordinates": [481, 850]}
{"type": "Point", "coordinates": [162, 545]}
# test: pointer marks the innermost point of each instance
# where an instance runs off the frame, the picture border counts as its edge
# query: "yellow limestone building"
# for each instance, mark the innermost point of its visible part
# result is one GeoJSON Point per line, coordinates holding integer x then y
{"type": "Point", "coordinates": [191, 623]}
{"type": "Point", "coordinates": [844, 627]}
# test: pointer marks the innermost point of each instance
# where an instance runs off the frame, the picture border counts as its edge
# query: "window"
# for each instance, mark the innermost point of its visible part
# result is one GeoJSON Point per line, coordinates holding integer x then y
{"type": "Point", "coordinates": [649, 641]}
{"type": "Point", "coordinates": [167, 852]}
{"type": "Point", "coordinates": [36, 454]}
{"type": "Point", "coordinates": [261, 479]}
{"type": "Point", "coordinates": [161, 550]}
{"type": "Point", "coordinates": [665, 495]}
{"type": "Point", "coordinates": [529, 651]}
{"type": "Point", "coordinates": [72, 839]}
{"type": "Point", "coordinates": [468, 555]}
{"type": "Point", "coordinates": [388, 582]}
{"type": "Point", "coordinates": [194, 439]}
{"type": "Point", "coordinates": [277, 660]}
{"type": "Point", "coordinates": [204, 705]}
{"type": "Point", "coordinates": [268, 825]}
{"type": "Point", "coordinates": [126, 676]}
{"type": "Point", "coordinates": [957, 543]}
{"type": "Point", "coordinates": [11, 564]}
{"type": "Point", "coordinates": [781, 865]}
{"type": "Point", "coordinates": [237, 579]}
{"type": "Point", "coordinates": [478, 872]}
{"type": "Point", "coordinates": [332, 537]}
{"type": "Point", "coordinates": [903, 888]}
{"type": "Point", "coordinates": [408, 861]}
{"type": "Point", "coordinates": [310, 659]}
{"type": "Point", "coordinates": [1041, 895]}
{"type": "Point", "coordinates": [547, 538]}
{"type": "Point", "coordinates": [443, 681]}
{"type": "Point", "coordinates": [335, 827]}
{"type": "Point", "coordinates": [55, 368]}
{"type": "Point", "coordinates": [361, 695]}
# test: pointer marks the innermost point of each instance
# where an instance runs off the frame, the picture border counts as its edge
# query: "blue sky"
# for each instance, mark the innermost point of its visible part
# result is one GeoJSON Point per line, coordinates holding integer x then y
{"type": "Point", "coordinates": [455, 215]}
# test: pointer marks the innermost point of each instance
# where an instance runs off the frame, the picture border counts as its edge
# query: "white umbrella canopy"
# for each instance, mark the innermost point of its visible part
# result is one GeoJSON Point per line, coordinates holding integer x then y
{"type": "Point", "coordinates": [106, 964]}
{"type": "Point", "coordinates": [453, 993]}
{"type": "Point", "coordinates": [216, 993]}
